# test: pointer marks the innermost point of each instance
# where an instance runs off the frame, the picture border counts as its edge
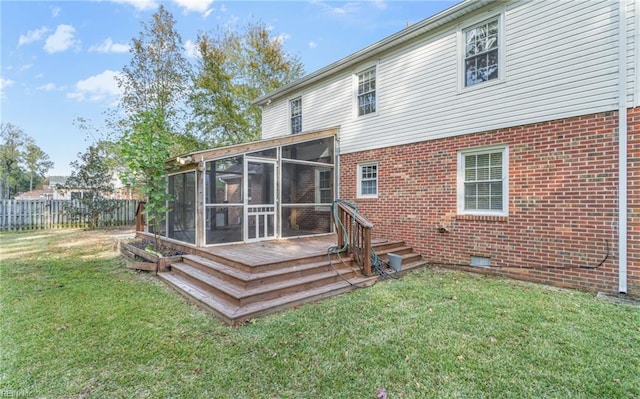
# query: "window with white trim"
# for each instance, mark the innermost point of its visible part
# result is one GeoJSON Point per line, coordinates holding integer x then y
{"type": "Point", "coordinates": [483, 184]}
{"type": "Point", "coordinates": [367, 92]}
{"type": "Point", "coordinates": [324, 188]}
{"type": "Point", "coordinates": [295, 107]}
{"type": "Point", "coordinates": [368, 180]}
{"type": "Point", "coordinates": [481, 52]}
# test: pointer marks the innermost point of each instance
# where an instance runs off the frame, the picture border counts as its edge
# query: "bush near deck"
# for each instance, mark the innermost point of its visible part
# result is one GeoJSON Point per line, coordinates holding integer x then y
{"type": "Point", "coordinates": [76, 323]}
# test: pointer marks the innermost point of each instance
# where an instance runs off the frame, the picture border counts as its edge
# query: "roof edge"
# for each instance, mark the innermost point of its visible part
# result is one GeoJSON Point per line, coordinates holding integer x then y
{"type": "Point", "coordinates": [419, 28]}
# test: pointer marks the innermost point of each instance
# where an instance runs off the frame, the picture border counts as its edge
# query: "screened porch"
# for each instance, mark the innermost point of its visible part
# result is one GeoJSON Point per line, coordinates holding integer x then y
{"type": "Point", "coordinates": [278, 188]}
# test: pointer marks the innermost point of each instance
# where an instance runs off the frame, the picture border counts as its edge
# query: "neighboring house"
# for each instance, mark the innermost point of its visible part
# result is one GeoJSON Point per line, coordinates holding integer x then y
{"type": "Point", "coordinates": [47, 190]}
{"type": "Point", "coordinates": [500, 135]}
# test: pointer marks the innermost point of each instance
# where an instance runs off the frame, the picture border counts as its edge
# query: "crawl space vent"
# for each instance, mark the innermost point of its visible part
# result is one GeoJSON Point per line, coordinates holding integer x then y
{"type": "Point", "coordinates": [480, 261]}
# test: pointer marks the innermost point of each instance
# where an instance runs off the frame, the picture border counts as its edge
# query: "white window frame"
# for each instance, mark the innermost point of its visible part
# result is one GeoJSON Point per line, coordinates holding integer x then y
{"type": "Point", "coordinates": [291, 116]}
{"type": "Point", "coordinates": [484, 18]}
{"type": "Point", "coordinates": [360, 179]}
{"type": "Point", "coordinates": [356, 84]}
{"type": "Point", "coordinates": [318, 195]}
{"type": "Point", "coordinates": [504, 149]}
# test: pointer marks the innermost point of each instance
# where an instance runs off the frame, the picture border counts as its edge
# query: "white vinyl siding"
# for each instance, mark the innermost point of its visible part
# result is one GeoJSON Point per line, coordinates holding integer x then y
{"type": "Point", "coordinates": [560, 61]}
{"type": "Point", "coordinates": [633, 53]}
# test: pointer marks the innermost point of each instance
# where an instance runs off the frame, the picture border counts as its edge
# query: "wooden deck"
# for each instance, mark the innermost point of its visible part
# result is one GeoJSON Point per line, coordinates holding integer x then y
{"type": "Point", "coordinates": [267, 252]}
{"type": "Point", "coordinates": [239, 282]}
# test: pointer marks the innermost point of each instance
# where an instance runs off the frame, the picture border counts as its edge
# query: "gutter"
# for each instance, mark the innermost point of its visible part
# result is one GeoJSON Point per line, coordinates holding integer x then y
{"type": "Point", "coordinates": [420, 28]}
{"type": "Point", "coordinates": [622, 147]}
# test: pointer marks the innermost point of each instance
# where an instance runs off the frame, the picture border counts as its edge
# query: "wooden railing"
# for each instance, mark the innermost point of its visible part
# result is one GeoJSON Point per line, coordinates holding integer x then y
{"type": "Point", "coordinates": [358, 231]}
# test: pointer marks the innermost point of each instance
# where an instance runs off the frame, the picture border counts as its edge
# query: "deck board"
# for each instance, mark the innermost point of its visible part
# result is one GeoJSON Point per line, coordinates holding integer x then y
{"type": "Point", "coordinates": [267, 252]}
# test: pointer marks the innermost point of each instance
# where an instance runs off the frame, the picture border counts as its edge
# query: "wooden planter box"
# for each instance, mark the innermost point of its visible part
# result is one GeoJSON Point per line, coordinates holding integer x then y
{"type": "Point", "coordinates": [153, 263]}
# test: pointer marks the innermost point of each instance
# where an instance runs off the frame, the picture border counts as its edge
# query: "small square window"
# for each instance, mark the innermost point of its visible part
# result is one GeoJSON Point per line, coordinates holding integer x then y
{"type": "Point", "coordinates": [368, 180]}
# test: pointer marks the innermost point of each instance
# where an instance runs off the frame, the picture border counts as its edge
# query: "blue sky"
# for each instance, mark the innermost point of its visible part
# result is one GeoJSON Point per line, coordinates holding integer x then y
{"type": "Point", "coordinates": [58, 58]}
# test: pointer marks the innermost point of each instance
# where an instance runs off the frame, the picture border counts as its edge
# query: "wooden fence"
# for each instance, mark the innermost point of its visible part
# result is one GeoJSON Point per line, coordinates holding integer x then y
{"type": "Point", "coordinates": [50, 214]}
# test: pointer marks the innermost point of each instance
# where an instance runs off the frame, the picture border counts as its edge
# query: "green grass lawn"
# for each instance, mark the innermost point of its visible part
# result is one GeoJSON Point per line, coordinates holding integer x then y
{"type": "Point", "coordinates": [76, 324]}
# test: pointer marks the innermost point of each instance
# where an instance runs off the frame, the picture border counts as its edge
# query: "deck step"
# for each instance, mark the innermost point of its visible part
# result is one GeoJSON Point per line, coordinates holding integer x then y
{"type": "Point", "coordinates": [242, 296]}
{"type": "Point", "coordinates": [252, 279]}
{"type": "Point", "coordinates": [236, 292]}
{"type": "Point", "coordinates": [233, 314]}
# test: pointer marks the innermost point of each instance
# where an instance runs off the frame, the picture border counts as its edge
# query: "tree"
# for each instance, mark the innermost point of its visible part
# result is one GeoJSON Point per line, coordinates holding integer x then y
{"type": "Point", "coordinates": [233, 70]}
{"type": "Point", "coordinates": [37, 162]}
{"type": "Point", "coordinates": [156, 79]}
{"type": "Point", "coordinates": [11, 149]}
{"type": "Point", "coordinates": [91, 180]}
{"type": "Point", "coordinates": [144, 149]}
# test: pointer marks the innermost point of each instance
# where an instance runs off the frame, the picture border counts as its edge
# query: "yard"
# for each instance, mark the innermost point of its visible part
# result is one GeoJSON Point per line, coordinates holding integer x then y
{"type": "Point", "coordinates": [77, 324]}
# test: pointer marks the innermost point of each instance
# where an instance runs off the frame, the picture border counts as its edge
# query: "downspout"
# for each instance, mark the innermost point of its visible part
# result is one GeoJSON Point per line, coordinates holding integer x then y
{"type": "Point", "coordinates": [336, 167]}
{"type": "Point", "coordinates": [622, 147]}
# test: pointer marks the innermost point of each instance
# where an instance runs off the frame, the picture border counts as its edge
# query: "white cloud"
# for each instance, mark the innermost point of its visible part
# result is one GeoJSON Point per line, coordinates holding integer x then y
{"type": "Point", "coordinates": [141, 5]}
{"type": "Point", "coordinates": [55, 11]}
{"type": "Point", "coordinates": [312, 44]}
{"type": "Point", "coordinates": [25, 67]}
{"type": "Point", "coordinates": [380, 4]}
{"type": "Point", "coordinates": [201, 6]}
{"type": "Point", "coordinates": [61, 40]}
{"type": "Point", "coordinates": [191, 49]}
{"type": "Point", "coordinates": [108, 46]}
{"type": "Point", "coordinates": [47, 87]}
{"type": "Point", "coordinates": [102, 87]}
{"type": "Point", "coordinates": [281, 38]}
{"type": "Point", "coordinates": [4, 83]}
{"type": "Point", "coordinates": [32, 36]}
{"type": "Point", "coordinates": [346, 9]}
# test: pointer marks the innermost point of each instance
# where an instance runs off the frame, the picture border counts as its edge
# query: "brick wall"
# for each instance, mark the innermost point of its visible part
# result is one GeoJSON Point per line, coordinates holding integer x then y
{"type": "Point", "coordinates": [633, 240]}
{"type": "Point", "coordinates": [562, 201]}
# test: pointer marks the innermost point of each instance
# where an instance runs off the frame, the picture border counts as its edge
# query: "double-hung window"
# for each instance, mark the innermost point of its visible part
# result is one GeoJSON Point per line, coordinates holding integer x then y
{"type": "Point", "coordinates": [483, 184]}
{"type": "Point", "coordinates": [481, 52]}
{"type": "Point", "coordinates": [324, 188]}
{"type": "Point", "coordinates": [295, 107]}
{"type": "Point", "coordinates": [367, 92]}
{"type": "Point", "coordinates": [368, 180]}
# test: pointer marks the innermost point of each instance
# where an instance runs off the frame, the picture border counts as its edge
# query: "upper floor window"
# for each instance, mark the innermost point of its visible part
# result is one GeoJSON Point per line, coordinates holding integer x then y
{"type": "Point", "coordinates": [295, 106]}
{"type": "Point", "coordinates": [481, 57]}
{"type": "Point", "coordinates": [483, 181]}
{"type": "Point", "coordinates": [368, 180]}
{"type": "Point", "coordinates": [367, 92]}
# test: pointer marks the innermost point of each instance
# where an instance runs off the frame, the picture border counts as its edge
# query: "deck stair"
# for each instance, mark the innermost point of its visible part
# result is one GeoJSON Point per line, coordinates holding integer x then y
{"type": "Point", "coordinates": [238, 290]}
